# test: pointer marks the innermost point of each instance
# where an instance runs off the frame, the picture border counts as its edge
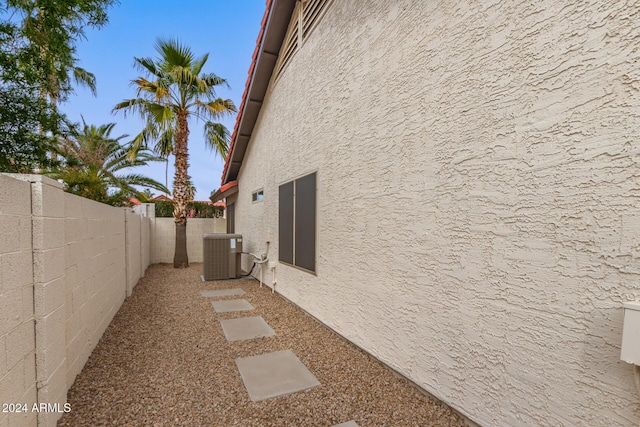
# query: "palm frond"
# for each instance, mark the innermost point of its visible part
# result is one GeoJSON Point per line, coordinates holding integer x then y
{"type": "Point", "coordinates": [216, 108]}
{"type": "Point", "coordinates": [92, 158]}
{"type": "Point", "coordinates": [213, 80]}
{"type": "Point", "coordinates": [164, 146]}
{"type": "Point", "coordinates": [139, 142]}
{"type": "Point", "coordinates": [135, 105]}
{"type": "Point", "coordinates": [143, 181]}
{"type": "Point", "coordinates": [217, 137]}
{"type": "Point", "coordinates": [161, 115]}
{"type": "Point", "coordinates": [148, 65]}
{"type": "Point", "coordinates": [197, 65]}
{"type": "Point", "coordinates": [85, 78]}
{"type": "Point", "coordinates": [143, 86]}
{"type": "Point", "coordinates": [173, 54]}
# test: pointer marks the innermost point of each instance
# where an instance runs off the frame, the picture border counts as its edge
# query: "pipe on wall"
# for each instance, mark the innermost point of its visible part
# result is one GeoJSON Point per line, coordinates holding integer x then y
{"type": "Point", "coordinates": [261, 260]}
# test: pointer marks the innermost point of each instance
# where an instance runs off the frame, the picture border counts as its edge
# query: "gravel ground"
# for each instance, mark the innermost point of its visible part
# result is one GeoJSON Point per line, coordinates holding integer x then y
{"type": "Point", "coordinates": [164, 361]}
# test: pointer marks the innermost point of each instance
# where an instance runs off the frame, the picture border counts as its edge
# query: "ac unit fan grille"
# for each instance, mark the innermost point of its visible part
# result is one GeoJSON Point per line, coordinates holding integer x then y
{"type": "Point", "coordinates": [221, 258]}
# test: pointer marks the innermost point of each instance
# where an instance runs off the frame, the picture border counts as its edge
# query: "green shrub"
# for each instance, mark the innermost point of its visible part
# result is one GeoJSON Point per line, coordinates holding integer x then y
{"type": "Point", "coordinates": [205, 210]}
{"type": "Point", "coordinates": [164, 209]}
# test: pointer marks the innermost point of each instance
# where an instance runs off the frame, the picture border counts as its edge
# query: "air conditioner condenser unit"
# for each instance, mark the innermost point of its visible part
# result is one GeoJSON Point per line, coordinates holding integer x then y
{"type": "Point", "coordinates": [222, 256]}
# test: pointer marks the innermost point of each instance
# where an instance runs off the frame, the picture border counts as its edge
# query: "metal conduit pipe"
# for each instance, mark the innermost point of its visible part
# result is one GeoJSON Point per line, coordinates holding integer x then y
{"type": "Point", "coordinates": [273, 281]}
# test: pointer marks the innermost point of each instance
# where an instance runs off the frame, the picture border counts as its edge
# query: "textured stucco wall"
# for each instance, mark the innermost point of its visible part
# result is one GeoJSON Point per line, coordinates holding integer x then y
{"type": "Point", "coordinates": [164, 237]}
{"type": "Point", "coordinates": [478, 206]}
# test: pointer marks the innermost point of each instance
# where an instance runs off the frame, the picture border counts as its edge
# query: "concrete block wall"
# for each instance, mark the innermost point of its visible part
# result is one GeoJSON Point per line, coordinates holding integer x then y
{"type": "Point", "coordinates": [146, 230]}
{"type": "Point", "coordinates": [138, 245]}
{"type": "Point", "coordinates": [48, 225]}
{"type": "Point", "coordinates": [96, 274]}
{"type": "Point", "coordinates": [147, 212]}
{"type": "Point", "coordinates": [134, 261]}
{"type": "Point", "coordinates": [164, 236]}
{"type": "Point", "coordinates": [17, 323]}
{"type": "Point", "coordinates": [66, 266]}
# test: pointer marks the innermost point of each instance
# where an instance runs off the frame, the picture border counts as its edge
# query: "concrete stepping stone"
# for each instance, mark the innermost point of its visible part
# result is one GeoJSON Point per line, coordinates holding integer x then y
{"type": "Point", "coordinates": [227, 306]}
{"type": "Point", "coordinates": [222, 292]}
{"type": "Point", "coordinates": [246, 328]}
{"type": "Point", "coordinates": [347, 424]}
{"type": "Point", "coordinates": [274, 374]}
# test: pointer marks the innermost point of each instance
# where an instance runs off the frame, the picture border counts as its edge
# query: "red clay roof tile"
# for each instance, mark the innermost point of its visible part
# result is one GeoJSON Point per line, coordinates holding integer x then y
{"type": "Point", "coordinates": [254, 58]}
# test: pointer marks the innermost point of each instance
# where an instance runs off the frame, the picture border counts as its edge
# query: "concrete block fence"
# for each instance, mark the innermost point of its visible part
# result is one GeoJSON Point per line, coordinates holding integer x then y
{"type": "Point", "coordinates": [66, 266]}
{"type": "Point", "coordinates": [164, 237]}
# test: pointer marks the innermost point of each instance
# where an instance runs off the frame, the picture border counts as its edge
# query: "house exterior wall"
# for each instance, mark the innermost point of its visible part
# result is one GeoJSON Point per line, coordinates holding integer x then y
{"type": "Point", "coordinates": [164, 237]}
{"type": "Point", "coordinates": [66, 264]}
{"type": "Point", "coordinates": [478, 215]}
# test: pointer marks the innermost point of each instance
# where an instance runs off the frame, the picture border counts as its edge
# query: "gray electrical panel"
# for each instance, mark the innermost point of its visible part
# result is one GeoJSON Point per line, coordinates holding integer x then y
{"type": "Point", "coordinates": [222, 256]}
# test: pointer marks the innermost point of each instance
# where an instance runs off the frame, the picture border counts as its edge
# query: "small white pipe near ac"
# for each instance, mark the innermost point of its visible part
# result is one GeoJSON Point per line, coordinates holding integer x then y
{"type": "Point", "coordinates": [273, 277]}
{"type": "Point", "coordinates": [261, 260]}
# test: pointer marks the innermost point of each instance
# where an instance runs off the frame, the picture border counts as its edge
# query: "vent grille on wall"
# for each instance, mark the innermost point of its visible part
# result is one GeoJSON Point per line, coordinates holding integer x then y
{"type": "Point", "coordinates": [290, 43]}
{"type": "Point", "coordinates": [304, 18]}
{"type": "Point", "coordinates": [311, 11]}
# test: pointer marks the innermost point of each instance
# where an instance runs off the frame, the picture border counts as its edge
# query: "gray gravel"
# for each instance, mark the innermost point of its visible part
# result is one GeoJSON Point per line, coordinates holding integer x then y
{"type": "Point", "coordinates": [164, 361]}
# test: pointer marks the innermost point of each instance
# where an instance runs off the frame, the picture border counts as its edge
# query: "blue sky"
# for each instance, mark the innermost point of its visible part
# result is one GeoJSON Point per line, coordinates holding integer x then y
{"type": "Point", "coordinates": [227, 30]}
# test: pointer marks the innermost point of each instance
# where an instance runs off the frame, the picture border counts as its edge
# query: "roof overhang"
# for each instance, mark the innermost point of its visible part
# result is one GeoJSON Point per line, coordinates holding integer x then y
{"type": "Point", "coordinates": [226, 190]}
{"type": "Point", "coordinates": [274, 27]}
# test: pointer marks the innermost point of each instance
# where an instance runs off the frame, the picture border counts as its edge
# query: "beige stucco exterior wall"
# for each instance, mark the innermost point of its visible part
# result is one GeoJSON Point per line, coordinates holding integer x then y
{"type": "Point", "coordinates": [164, 237]}
{"type": "Point", "coordinates": [478, 211]}
{"type": "Point", "coordinates": [66, 264]}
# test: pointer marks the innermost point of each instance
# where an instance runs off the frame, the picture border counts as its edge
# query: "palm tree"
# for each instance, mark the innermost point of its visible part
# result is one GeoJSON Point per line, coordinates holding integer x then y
{"type": "Point", "coordinates": [53, 29]}
{"type": "Point", "coordinates": [92, 162]}
{"type": "Point", "coordinates": [148, 194]}
{"type": "Point", "coordinates": [191, 190]}
{"type": "Point", "coordinates": [177, 90]}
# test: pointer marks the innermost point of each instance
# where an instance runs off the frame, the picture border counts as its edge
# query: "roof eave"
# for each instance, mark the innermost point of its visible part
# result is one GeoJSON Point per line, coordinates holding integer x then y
{"type": "Point", "coordinates": [226, 190]}
{"type": "Point", "coordinates": [274, 27]}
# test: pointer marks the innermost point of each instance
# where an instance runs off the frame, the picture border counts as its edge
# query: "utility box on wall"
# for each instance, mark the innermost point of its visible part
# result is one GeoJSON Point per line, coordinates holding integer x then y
{"type": "Point", "coordinates": [630, 351]}
{"type": "Point", "coordinates": [221, 256]}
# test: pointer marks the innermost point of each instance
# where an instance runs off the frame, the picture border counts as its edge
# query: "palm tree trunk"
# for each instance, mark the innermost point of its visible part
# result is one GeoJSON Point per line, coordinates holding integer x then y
{"type": "Point", "coordinates": [51, 87]}
{"type": "Point", "coordinates": [180, 257]}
